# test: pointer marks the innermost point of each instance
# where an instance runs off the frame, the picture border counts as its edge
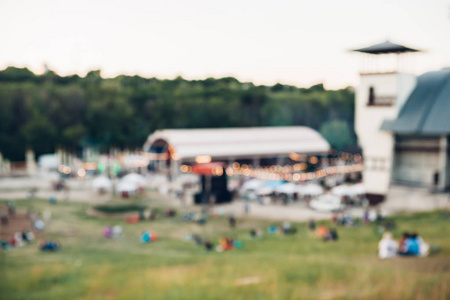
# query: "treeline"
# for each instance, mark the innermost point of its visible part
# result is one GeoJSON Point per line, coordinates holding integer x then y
{"type": "Point", "coordinates": [44, 112]}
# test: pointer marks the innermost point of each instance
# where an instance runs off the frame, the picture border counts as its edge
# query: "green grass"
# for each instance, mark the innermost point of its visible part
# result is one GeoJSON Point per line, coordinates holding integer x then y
{"type": "Point", "coordinates": [288, 267]}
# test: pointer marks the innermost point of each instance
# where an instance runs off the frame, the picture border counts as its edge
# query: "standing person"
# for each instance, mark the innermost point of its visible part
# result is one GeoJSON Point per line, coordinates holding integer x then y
{"type": "Point", "coordinates": [232, 221]}
{"type": "Point", "coordinates": [387, 247]}
{"type": "Point", "coordinates": [11, 208]}
{"type": "Point", "coordinates": [312, 225]}
{"type": "Point", "coordinates": [246, 207]}
{"type": "Point", "coordinates": [334, 218]}
{"type": "Point", "coordinates": [366, 217]}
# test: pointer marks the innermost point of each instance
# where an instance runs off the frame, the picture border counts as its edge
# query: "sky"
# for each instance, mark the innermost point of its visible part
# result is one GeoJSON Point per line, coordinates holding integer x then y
{"type": "Point", "coordinates": [293, 42]}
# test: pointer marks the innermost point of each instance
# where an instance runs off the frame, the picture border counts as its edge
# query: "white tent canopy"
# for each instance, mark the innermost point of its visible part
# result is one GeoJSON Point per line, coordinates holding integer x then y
{"type": "Point", "coordinates": [134, 178]}
{"type": "Point", "coordinates": [102, 183]}
{"type": "Point", "coordinates": [349, 190]}
{"type": "Point", "coordinates": [311, 189]}
{"type": "Point", "coordinates": [252, 184]}
{"type": "Point", "coordinates": [48, 161]}
{"type": "Point", "coordinates": [127, 186]}
{"type": "Point", "coordinates": [265, 190]}
{"type": "Point", "coordinates": [131, 161]}
{"type": "Point", "coordinates": [358, 189]}
{"type": "Point", "coordinates": [240, 142]}
{"type": "Point", "coordinates": [288, 188]}
{"type": "Point", "coordinates": [341, 190]}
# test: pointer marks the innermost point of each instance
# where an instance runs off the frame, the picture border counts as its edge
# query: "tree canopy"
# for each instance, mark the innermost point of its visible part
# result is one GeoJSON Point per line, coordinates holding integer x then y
{"type": "Point", "coordinates": [43, 112]}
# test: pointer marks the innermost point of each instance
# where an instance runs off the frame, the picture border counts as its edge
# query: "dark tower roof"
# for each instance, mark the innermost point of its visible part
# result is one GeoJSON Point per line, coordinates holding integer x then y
{"type": "Point", "coordinates": [386, 48]}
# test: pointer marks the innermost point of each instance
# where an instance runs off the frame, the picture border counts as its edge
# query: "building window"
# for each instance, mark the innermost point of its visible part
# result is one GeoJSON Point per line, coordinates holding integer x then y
{"type": "Point", "coordinates": [371, 96]}
{"type": "Point", "coordinates": [375, 100]}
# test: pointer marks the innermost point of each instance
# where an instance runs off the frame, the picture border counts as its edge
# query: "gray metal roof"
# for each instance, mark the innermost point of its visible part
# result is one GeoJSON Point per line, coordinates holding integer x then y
{"type": "Point", "coordinates": [386, 48]}
{"type": "Point", "coordinates": [427, 109]}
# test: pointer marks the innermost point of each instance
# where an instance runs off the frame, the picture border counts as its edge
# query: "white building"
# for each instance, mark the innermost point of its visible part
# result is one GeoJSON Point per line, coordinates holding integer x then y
{"type": "Point", "coordinates": [402, 122]}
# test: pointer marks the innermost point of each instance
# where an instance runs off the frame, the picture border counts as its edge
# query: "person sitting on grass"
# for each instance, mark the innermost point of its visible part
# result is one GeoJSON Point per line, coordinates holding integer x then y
{"type": "Point", "coordinates": [226, 243]}
{"type": "Point", "coordinates": [27, 236]}
{"type": "Point", "coordinates": [387, 247]}
{"type": "Point", "coordinates": [197, 239]}
{"type": "Point", "coordinates": [50, 246]}
{"type": "Point", "coordinates": [412, 245]}
{"type": "Point", "coordinates": [321, 231]}
{"type": "Point", "coordinates": [208, 246]}
{"type": "Point", "coordinates": [107, 232]}
{"type": "Point", "coordinates": [409, 245]}
{"type": "Point", "coordinates": [145, 237]}
{"type": "Point", "coordinates": [331, 235]}
{"type": "Point", "coordinates": [116, 231]}
{"type": "Point", "coordinates": [255, 233]}
{"type": "Point", "coordinates": [4, 244]}
{"type": "Point", "coordinates": [424, 248]}
{"type": "Point", "coordinates": [288, 229]}
{"type": "Point", "coordinates": [402, 243]}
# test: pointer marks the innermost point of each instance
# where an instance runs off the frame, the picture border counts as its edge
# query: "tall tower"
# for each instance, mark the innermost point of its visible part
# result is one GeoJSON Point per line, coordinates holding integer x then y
{"type": "Point", "coordinates": [381, 93]}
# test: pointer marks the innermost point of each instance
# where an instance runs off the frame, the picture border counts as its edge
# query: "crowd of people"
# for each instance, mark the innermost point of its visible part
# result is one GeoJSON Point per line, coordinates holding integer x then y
{"type": "Point", "coordinates": [409, 244]}
{"type": "Point", "coordinates": [19, 239]}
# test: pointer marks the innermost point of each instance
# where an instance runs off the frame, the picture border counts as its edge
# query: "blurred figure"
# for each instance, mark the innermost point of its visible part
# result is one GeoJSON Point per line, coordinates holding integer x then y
{"type": "Point", "coordinates": [208, 246]}
{"type": "Point", "coordinates": [107, 232]}
{"type": "Point", "coordinates": [321, 231]}
{"type": "Point", "coordinates": [372, 216]}
{"type": "Point", "coordinates": [366, 217]}
{"type": "Point", "coordinates": [312, 225]}
{"type": "Point", "coordinates": [116, 231]}
{"type": "Point", "coordinates": [246, 207]}
{"type": "Point", "coordinates": [226, 243]}
{"type": "Point", "coordinates": [333, 234]}
{"type": "Point", "coordinates": [387, 247]}
{"type": "Point", "coordinates": [424, 248]}
{"type": "Point", "coordinates": [288, 229]}
{"type": "Point", "coordinates": [50, 246]}
{"type": "Point", "coordinates": [272, 229]}
{"type": "Point", "coordinates": [39, 224]}
{"type": "Point", "coordinates": [197, 239]}
{"type": "Point", "coordinates": [18, 238]}
{"type": "Point", "coordinates": [232, 221]}
{"type": "Point", "coordinates": [330, 235]}
{"type": "Point", "coordinates": [4, 218]}
{"type": "Point", "coordinates": [27, 236]}
{"type": "Point", "coordinates": [402, 243]}
{"type": "Point", "coordinates": [411, 245]}
{"type": "Point", "coordinates": [145, 237]}
{"type": "Point", "coordinates": [11, 208]}
{"type": "Point", "coordinates": [334, 218]}
{"type": "Point", "coordinates": [255, 233]}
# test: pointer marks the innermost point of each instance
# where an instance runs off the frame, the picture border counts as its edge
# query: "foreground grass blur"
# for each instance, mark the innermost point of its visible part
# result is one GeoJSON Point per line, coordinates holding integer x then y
{"type": "Point", "coordinates": [282, 267]}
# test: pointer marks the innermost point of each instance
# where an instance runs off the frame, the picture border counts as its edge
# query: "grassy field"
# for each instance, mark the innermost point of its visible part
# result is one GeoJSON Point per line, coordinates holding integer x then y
{"type": "Point", "coordinates": [279, 267]}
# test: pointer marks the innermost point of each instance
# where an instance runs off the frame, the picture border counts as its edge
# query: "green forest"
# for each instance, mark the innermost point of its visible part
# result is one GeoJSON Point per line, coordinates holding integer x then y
{"type": "Point", "coordinates": [45, 112]}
